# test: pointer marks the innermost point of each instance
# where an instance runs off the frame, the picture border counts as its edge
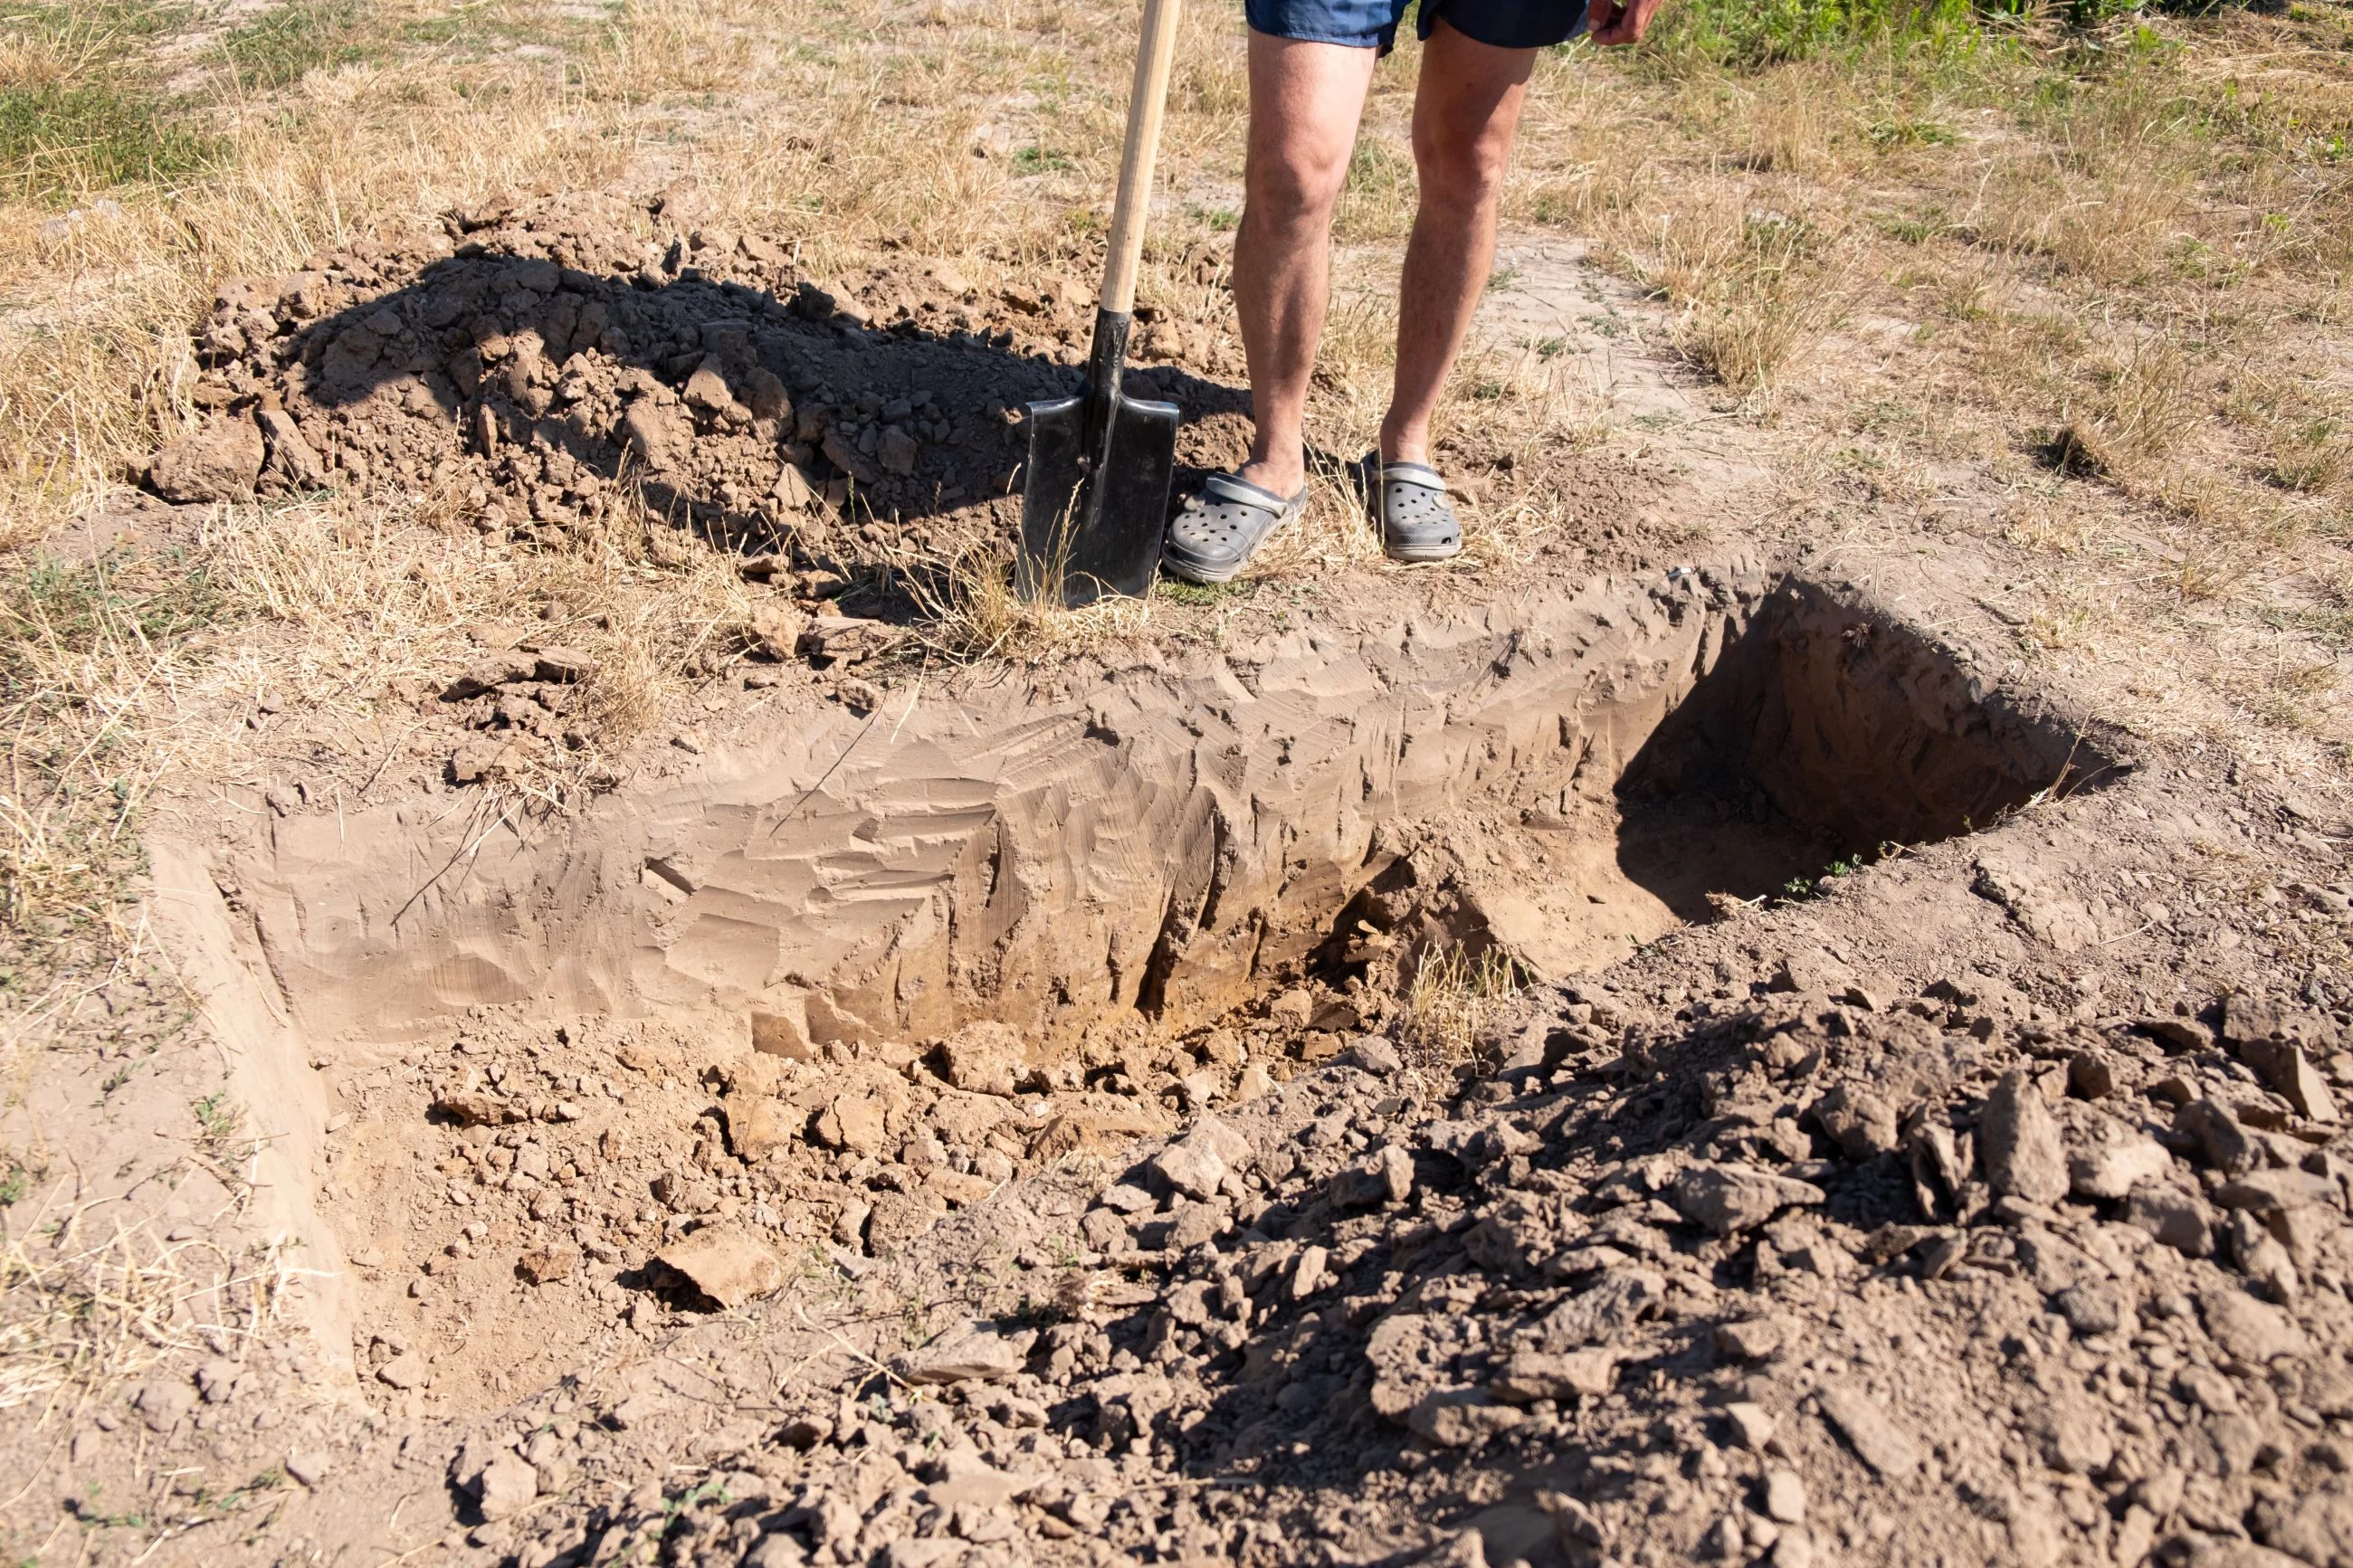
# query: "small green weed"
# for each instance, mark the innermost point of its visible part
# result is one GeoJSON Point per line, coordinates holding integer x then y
{"type": "Point", "coordinates": [713, 1490]}
{"type": "Point", "coordinates": [1797, 889]}
{"type": "Point", "coordinates": [1034, 159]}
{"type": "Point", "coordinates": [1908, 133]}
{"type": "Point", "coordinates": [62, 138]}
{"type": "Point", "coordinates": [1756, 33]}
{"type": "Point", "coordinates": [1185, 592]}
{"type": "Point", "coordinates": [1035, 1314]}
{"type": "Point", "coordinates": [285, 44]}
{"type": "Point", "coordinates": [1907, 230]}
{"type": "Point", "coordinates": [218, 1120]}
{"type": "Point", "coordinates": [56, 607]}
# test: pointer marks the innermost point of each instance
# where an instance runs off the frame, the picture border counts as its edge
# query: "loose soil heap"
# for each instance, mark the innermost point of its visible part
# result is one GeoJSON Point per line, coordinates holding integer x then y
{"type": "Point", "coordinates": [1809, 1276]}
{"type": "Point", "coordinates": [527, 364]}
{"type": "Point", "coordinates": [1943, 1223]}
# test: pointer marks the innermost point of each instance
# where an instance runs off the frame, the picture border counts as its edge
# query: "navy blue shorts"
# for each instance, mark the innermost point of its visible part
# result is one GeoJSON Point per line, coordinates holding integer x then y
{"type": "Point", "coordinates": [1373, 23]}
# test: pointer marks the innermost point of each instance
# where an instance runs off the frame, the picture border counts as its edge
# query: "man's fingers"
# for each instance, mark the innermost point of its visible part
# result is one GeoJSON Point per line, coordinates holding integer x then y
{"type": "Point", "coordinates": [1615, 23]}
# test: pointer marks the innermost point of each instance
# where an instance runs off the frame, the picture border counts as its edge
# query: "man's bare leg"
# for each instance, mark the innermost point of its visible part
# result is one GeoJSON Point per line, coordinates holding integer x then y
{"type": "Point", "coordinates": [1466, 109]}
{"type": "Point", "coordinates": [1305, 102]}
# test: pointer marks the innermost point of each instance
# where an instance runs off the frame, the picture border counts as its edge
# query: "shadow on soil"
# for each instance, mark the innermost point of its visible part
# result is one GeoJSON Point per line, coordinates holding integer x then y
{"type": "Point", "coordinates": [1829, 733]}
{"type": "Point", "coordinates": [565, 383]}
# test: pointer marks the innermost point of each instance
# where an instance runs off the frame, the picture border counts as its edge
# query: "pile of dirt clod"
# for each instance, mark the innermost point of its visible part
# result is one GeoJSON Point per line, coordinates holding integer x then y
{"type": "Point", "coordinates": [529, 365]}
{"type": "Point", "coordinates": [1810, 1276]}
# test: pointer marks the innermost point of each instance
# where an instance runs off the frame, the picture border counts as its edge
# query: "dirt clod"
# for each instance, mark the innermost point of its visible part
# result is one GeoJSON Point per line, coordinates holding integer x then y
{"type": "Point", "coordinates": [505, 1487]}
{"type": "Point", "coordinates": [1728, 1199]}
{"type": "Point", "coordinates": [543, 1265]}
{"type": "Point", "coordinates": [976, 1352]}
{"type": "Point", "coordinates": [221, 461]}
{"type": "Point", "coordinates": [2019, 1142]}
{"type": "Point", "coordinates": [1875, 1438]}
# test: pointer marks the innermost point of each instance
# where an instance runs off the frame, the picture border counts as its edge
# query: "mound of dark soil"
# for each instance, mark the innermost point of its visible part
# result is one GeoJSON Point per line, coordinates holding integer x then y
{"type": "Point", "coordinates": [528, 368]}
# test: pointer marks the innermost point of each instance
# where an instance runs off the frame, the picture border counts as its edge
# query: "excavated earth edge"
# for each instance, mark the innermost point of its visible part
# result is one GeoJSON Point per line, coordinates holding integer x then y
{"type": "Point", "coordinates": [1181, 841]}
{"type": "Point", "coordinates": [1173, 841]}
{"type": "Point", "coordinates": [1929, 1232]}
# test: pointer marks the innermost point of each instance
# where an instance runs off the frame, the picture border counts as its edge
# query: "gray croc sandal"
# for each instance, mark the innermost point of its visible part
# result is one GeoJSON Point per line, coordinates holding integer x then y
{"type": "Point", "coordinates": [1219, 529]}
{"type": "Point", "coordinates": [1409, 502]}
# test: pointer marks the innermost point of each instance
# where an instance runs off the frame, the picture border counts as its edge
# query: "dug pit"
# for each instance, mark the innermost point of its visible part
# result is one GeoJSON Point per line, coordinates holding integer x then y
{"type": "Point", "coordinates": [856, 975]}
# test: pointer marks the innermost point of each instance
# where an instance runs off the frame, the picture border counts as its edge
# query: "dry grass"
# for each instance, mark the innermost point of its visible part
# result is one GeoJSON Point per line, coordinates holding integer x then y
{"type": "Point", "coordinates": [2119, 249]}
{"type": "Point", "coordinates": [134, 667]}
{"type": "Point", "coordinates": [979, 614]}
{"type": "Point", "coordinates": [1452, 997]}
{"type": "Point", "coordinates": [88, 1304]}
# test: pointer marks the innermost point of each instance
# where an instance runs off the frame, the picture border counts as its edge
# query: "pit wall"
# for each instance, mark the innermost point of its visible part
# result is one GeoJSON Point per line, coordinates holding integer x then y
{"type": "Point", "coordinates": [1850, 720]}
{"type": "Point", "coordinates": [269, 1079]}
{"type": "Point", "coordinates": [1177, 841]}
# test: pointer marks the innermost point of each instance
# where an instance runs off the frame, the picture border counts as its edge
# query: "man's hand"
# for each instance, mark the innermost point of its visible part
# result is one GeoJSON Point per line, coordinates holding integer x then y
{"type": "Point", "coordinates": [1614, 22]}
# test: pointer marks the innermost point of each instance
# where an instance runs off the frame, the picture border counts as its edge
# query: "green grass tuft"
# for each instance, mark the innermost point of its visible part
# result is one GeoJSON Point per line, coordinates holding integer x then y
{"type": "Point", "coordinates": [282, 47]}
{"type": "Point", "coordinates": [59, 139]}
{"type": "Point", "coordinates": [1185, 592]}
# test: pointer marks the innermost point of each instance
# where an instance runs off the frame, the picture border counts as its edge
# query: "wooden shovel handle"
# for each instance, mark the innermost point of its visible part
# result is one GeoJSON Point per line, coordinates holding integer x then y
{"type": "Point", "coordinates": [1144, 105]}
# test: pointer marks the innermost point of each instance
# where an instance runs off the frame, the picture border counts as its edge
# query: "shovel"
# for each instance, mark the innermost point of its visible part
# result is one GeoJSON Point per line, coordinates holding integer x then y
{"type": "Point", "coordinates": [1095, 495]}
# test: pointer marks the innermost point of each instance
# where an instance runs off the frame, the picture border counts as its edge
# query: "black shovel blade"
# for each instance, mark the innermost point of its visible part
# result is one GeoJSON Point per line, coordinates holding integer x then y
{"type": "Point", "coordinates": [1092, 521]}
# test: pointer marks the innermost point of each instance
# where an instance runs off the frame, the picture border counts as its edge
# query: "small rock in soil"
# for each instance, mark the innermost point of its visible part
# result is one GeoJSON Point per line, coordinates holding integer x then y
{"type": "Point", "coordinates": [1861, 1123]}
{"type": "Point", "coordinates": [1385, 1178]}
{"type": "Point", "coordinates": [2019, 1142]}
{"type": "Point", "coordinates": [1751, 1341]}
{"type": "Point", "coordinates": [543, 1265]}
{"type": "Point", "coordinates": [1604, 1311]}
{"type": "Point", "coordinates": [2253, 1331]}
{"type": "Point", "coordinates": [1752, 1424]}
{"type": "Point", "coordinates": [1728, 1199]}
{"type": "Point", "coordinates": [2181, 1220]}
{"type": "Point", "coordinates": [1197, 1164]}
{"type": "Point", "coordinates": [977, 1353]}
{"type": "Point", "coordinates": [2111, 1163]}
{"type": "Point", "coordinates": [1463, 1417]}
{"type": "Point", "coordinates": [506, 1486]}
{"type": "Point", "coordinates": [2285, 1069]}
{"type": "Point", "coordinates": [403, 1372]}
{"type": "Point", "coordinates": [163, 1404]}
{"type": "Point", "coordinates": [1872, 1436]}
{"type": "Point", "coordinates": [1530, 1375]}
{"type": "Point", "coordinates": [2227, 1146]}
{"type": "Point", "coordinates": [731, 1266]}
{"type": "Point", "coordinates": [984, 1058]}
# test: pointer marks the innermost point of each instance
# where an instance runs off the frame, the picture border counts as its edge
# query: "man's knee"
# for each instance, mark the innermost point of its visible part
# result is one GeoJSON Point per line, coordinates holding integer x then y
{"type": "Point", "coordinates": [1294, 187]}
{"type": "Point", "coordinates": [1461, 168]}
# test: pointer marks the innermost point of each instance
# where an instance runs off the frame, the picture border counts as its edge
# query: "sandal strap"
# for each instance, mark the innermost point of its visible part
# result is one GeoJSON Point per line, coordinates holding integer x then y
{"type": "Point", "coordinates": [1239, 492]}
{"type": "Point", "coordinates": [1419, 475]}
